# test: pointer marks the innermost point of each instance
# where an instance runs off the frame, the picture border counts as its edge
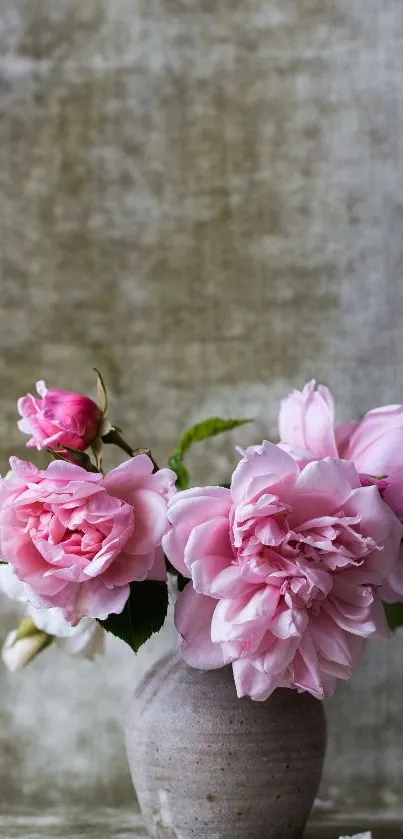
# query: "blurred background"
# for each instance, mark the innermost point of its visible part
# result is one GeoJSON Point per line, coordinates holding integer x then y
{"type": "Point", "coordinates": [204, 200]}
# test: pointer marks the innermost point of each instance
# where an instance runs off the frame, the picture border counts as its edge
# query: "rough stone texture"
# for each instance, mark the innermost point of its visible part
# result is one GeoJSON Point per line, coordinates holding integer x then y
{"type": "Point", "coordinates": [205, 200]}
{"type": "Point", "coordinates": [224, 768]}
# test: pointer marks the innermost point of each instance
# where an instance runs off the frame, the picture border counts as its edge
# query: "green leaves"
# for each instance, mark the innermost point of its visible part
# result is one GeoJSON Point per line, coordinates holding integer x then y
{"type": "Point", "coordinates": [144, 614]}
{"type": "Point", "coordinates": [201, 431]}
{"type": "Point", "coordinates": [394, 614]}
{"type": "Point", "coordinates": [176, 463]}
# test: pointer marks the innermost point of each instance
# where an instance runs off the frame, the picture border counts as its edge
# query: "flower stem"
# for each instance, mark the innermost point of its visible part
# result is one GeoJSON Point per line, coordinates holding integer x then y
{"type": "Point", "coordinates": [113, 436]}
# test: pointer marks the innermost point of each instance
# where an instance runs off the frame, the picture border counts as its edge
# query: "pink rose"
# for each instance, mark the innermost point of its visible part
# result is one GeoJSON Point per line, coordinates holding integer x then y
{"type": "Point", "coordinates": [59, 418]}
{"type": "Point", "coordinates": [77, 539]}
{"type": "Point", "coordinates": [375, 445]}
{"type": "Point", "coordinates": [285, 571]}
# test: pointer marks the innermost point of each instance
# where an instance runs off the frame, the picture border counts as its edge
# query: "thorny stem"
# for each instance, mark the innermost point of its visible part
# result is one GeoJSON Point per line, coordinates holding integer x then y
{"type": "Point", "coordinates": [113, 436]}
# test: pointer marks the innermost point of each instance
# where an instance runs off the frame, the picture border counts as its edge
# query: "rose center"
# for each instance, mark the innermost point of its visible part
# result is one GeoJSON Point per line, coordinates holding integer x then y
{"type": "Point", "coordinates": [83, 539]}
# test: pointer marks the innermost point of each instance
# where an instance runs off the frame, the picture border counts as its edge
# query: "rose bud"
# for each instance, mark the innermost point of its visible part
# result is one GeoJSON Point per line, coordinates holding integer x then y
{"type": "Point", "coordinates": [59, 418]}
{"type": "Point", "coordinates": [24, 644]}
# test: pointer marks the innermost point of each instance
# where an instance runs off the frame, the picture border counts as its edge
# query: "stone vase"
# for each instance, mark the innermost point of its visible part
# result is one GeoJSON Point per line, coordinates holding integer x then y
{"type": "Point", "coordinates": [207, 765]}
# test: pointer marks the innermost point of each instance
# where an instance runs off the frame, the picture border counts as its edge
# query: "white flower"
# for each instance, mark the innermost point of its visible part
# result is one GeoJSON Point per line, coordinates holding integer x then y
{"type": "Point", "coordinates": [87, 639]}
{"type": "Point", "coordinates": [17, 652]}
{"type": "Point", "coordinates": [11, 586]}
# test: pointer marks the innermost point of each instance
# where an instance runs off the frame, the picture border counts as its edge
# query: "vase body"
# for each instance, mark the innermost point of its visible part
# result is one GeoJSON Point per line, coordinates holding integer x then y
{"type": "Point", "coordinates": [207, 765]}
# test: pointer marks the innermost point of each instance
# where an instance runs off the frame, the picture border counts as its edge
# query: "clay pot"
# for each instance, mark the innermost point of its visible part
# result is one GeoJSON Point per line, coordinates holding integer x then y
{"type": "Point", "coordinates": [207, 765]}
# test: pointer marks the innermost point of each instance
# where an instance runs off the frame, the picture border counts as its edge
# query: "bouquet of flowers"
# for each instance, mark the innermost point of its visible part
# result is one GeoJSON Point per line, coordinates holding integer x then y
{"type": "Point", "coordinates": [284, 572]}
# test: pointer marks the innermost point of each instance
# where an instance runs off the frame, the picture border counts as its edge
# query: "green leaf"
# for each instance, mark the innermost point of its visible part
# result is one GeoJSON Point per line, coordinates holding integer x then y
{"type": "Point", "coordinates": [201, 431]}
{"type": "Point", "coordinates": [183, 477]}
{"type": "Point", "coordinates": [26, 629]}
{"type": "Point", "coordinates": [394, 614]}
{"type": "Point", "coordinates": [80, 458]}
{"type": "Point", "coordinates": [208, 428]}
{"type": "Point", "coordinates": [182, 582]}
{"type": "Point", "coordinates": [144, 614]}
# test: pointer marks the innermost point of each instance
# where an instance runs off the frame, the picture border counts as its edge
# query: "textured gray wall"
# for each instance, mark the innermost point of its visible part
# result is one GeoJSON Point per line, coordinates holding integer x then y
{"type": "Point", "coordinates": [205, 199]}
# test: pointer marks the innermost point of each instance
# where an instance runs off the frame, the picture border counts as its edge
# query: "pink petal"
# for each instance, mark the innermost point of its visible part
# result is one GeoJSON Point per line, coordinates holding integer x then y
{"type": "Point", "coordinates": [279, 656]}
{"type": "Point", "coordinates": [262, 604]}
{"type": "Point", "coordinates": [60, 470]}
{"type": "Point", "coordinates": [199, 504]}
{"type": "Point", "coordinates": [25, 426]}
{"type": "Point", "coordinates": [41, 388]}
{"type": "Point", "coordinates": [306, 673]}
{"type": "Point", "coordinates": [384, 457]}
{"type": "Point", "coordinates": [362, 623]}
{"type": "Point", "coordinates": [230, 583]}
{"type": "Point", "coordinates": [208, 551]}
{"type": "Point", "coordinates": [343, 434]}
{"type": "Point", "coordinates": [187, 510]}
{"type": "Point", "coordinates": [280, 469]}
{"type": "Point", "coordinates": [289, 623]}
{"type": "Point", "coordinates": [123, 481]}
{"type": "Point", "coordinates": [18, 549]}
{"type": "Point", "coordinates": [331, 641]}
{"type": "Point", "coordinates": [392, 590]}
{"type": "Point", "coordinates": [306, 420]}
{"type": "Point", "coordinates": [193, 613]}
{"type": "Point", "coordinates": [372, 429]}
{"type": "Point", "coordinates": [379, 523]}
{"type": "Point", "coordinates": [127, 568]}
{"type": "Point", "coordinates": [163, 482]}
{"type": "Point", "coordinates": [24, 470]}
{"type": "Point", "coordinates": [249, 681]}
{"type": "Point", "coordinates": [96, 601]}
{"type": "Point", "coordinates": [322, 488]}
{"type": "Point", "coordinates": [28, 406]}
{"type": "Point", "coordinates": [158, 569]}
{"type": "Point", "coordinates": [118, 540]}
{"type": "Point", "coordinates": [301, 456]}
{"type": "Point", "coordinates": [228, 625]}
{"type": "Point", "coordinates": [173, 545]}
{"type": "Point", "coordinates": [150, 521]}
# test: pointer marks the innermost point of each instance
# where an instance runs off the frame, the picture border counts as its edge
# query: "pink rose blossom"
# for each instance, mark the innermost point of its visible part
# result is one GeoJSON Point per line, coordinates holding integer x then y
{"type": "Point", "coordinates": [77, 539]}
{"type": "Point", "coordinates": [285, 571]}
{"type": "Point", "coordinates": [59, 418]}
{"type": "Point", "coordinates": [374, 445]}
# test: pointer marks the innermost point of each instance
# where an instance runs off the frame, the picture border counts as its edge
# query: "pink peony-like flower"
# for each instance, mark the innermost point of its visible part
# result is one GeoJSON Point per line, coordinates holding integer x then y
{"type": "Point", "coordinates": [77, 539]}
{"type": "Point", "coordinates": [59, 418]}
{"type": "Point", "coordinates": [374, 445]}
{"type": "Point", "coordinates": [285, 571]}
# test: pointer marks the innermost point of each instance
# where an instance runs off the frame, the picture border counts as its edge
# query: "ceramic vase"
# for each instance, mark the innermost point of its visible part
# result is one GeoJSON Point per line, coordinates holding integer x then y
{"type": "Point", "coordinates": [207, 765]}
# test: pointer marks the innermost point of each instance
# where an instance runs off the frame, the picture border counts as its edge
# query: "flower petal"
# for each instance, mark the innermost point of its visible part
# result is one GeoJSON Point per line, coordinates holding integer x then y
{"type": "Point", "coordinates": [193, 613]}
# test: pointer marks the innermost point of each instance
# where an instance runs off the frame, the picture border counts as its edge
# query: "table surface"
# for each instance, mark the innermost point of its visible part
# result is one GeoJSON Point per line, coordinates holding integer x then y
{"type": "Point", "coordinates": [127, 824]}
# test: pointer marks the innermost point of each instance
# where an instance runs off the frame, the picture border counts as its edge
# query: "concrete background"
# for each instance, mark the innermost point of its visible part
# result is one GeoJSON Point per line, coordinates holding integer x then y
{"type": "Point", "coordinates": [205, 200]}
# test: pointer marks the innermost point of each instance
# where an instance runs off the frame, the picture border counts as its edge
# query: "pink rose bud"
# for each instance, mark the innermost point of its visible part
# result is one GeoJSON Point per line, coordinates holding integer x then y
{"type": "Point", "coordinates": [59, 418]}
{"type": "Point", "coordinates": [18, 650]}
